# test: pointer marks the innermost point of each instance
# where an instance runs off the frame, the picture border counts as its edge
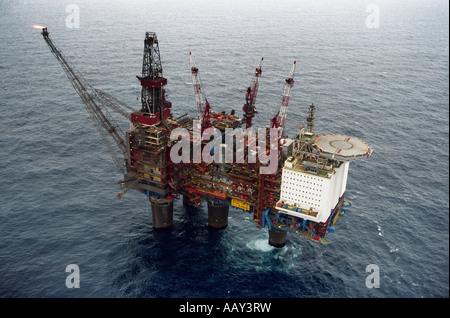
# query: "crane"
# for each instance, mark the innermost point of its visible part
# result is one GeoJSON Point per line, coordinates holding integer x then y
{"type": "Point", "coordinates": [250, 97]}
{"type": "Point", "coordinates": [97, 103]}
{"type": "Point", "coordinates": [280, 118]}
{"type": "Point", "coordinates": [204, 110]}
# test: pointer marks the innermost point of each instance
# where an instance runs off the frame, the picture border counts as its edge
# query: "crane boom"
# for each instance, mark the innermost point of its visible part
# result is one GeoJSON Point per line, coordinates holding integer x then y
{"type": "Point", "coordinates": [204, 111]}
{"type": "Point", "coordinates": [96, 103]}
{"type": "Point", "coordinates": [114, 103]}
{"type": "Point", "coordinates": [279, 119]}
{"type": "Point", "coordinates": [153, 94]}
{"type": "Point", "coordinates": [250, 97]}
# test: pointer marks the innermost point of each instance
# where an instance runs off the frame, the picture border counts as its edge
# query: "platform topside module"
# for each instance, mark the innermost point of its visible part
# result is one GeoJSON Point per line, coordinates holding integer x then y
{"type": "Point", "coordinates": [292, 185]}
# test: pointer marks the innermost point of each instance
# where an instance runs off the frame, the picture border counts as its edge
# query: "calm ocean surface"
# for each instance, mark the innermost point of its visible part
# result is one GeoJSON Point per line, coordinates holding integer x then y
{"type": "Point", "coordinates": [386, 85]}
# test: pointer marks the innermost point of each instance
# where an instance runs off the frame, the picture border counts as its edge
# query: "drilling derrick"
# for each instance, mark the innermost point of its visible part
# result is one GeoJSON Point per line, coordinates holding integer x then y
{"type": "Point", "coordinates": [250, 97]}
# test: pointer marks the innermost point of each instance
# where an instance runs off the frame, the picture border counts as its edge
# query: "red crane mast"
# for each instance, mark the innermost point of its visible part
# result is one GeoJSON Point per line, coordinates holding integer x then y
{"type": "Point", "coordinates": [280, 118]}
{"type": "Point", "coordinates": [250, 97]}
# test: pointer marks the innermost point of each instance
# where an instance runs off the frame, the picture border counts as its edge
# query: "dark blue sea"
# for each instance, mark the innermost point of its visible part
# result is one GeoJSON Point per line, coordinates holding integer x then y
{"type": "Point", "coordinates": [377, 70]}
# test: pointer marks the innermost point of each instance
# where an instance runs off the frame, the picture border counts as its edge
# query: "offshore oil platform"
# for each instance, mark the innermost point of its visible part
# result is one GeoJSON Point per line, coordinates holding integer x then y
{"type": "Point", "coordinates": [289, 185]}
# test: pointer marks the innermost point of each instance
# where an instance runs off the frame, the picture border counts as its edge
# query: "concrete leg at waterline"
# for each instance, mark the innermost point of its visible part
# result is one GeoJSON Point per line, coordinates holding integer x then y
{"type": "Point", "coordinates": [277, 237]}
{"type": "Point", "coordinates": [217, 215]}
{"type": "Point", "coordinates": [162, 213]}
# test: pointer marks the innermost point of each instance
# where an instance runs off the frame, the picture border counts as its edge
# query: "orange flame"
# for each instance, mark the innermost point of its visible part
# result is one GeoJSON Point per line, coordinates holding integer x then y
{"type": "Point", "coordinates": [37, 26]}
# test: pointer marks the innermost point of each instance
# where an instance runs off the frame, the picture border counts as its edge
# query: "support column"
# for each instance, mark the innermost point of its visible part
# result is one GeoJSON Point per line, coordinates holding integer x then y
{"type": "Point", "coordinates": [162, 213]}
{"type": "Point", "coordinates": [185, 199]}
{"type": "Point", "coordinates": [217, 215]}
{"type": "Point", "coordinates": [277, 237]}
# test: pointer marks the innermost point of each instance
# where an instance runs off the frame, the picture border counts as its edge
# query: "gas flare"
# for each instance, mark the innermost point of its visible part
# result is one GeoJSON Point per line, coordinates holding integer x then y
{"type": "Point", "coordinates": [37, 26]}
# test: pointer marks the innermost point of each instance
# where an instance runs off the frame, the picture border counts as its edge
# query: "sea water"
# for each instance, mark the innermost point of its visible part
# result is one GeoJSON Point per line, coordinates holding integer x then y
{"type": "Point", "coordinates": [376, 70]}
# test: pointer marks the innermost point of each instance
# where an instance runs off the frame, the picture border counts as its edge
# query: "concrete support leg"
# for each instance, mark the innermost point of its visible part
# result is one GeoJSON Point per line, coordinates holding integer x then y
{"type": "Point", "coordinates": [162, 212]}
{"type": "Point", "coordinates": [277, 237]}
{"type": "Point", "coordinates": [185, 199]}
{"type": "Point", "coordinates": [217, 215]}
